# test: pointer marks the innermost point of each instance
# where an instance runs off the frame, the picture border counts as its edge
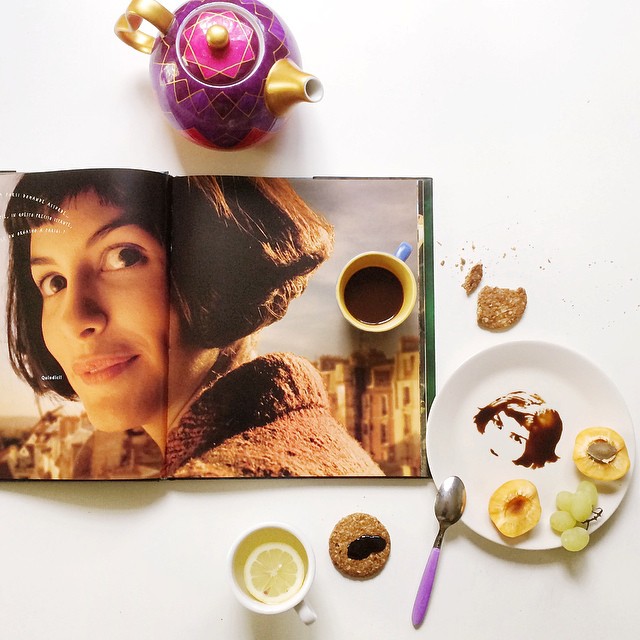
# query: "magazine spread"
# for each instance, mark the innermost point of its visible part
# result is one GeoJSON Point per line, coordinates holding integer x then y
{"type": "Point", "coordinates": [188, 327]}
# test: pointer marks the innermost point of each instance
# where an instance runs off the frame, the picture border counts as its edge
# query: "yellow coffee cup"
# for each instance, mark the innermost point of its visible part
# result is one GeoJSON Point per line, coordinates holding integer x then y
{"type": "Point", "coordinates": [376, 291]}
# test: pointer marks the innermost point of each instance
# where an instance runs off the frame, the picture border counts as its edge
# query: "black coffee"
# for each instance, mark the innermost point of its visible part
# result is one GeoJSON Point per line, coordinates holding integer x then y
{"type": "Point", "coordinates": [373, 295]}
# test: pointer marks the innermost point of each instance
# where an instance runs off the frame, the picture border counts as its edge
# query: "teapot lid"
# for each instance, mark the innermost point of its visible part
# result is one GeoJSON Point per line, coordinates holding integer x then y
{"type": "Point", "coordinates": [220, 44]}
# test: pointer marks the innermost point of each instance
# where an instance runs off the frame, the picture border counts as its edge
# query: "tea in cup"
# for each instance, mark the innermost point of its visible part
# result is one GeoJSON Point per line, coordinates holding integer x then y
{"type": "Point", "coordinates": [377, 291]}
{"type": "Point", "coordinates": [272, 568]}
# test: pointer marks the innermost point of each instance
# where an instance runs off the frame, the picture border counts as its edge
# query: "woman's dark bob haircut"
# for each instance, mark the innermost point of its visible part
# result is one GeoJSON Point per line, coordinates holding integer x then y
{"type": "Point", "coordinates": [241, 250]}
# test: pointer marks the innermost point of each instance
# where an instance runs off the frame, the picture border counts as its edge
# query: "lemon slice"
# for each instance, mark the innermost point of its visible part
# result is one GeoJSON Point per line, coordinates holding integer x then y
{"type": "Point", "coordinates": [274, 571]}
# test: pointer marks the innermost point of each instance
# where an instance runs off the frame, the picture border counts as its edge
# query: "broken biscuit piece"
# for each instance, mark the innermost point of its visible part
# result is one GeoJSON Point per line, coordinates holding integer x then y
{"type": "Point", "coordinates": [473, 278]}
{"type": "Point", "coordinates": [500, 309]}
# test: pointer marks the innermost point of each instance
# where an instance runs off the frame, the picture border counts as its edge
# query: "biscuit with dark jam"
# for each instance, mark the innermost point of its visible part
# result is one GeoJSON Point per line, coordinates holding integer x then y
{"type": "Point", "coordinates": [359, 546]}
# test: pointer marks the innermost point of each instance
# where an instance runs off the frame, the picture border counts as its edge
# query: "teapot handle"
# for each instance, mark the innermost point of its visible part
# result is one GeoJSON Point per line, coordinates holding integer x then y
{"type": "Point", "coordinates": [128, 24]}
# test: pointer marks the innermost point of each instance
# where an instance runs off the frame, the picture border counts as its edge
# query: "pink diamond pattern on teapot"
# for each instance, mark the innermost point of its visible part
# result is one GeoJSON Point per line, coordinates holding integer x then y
{"type": "Point", "coordinates": [223, 65]}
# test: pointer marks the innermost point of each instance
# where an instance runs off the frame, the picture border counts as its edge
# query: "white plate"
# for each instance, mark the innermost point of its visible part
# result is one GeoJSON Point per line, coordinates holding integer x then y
{"type": "Point", "coordinates": [569, 383]}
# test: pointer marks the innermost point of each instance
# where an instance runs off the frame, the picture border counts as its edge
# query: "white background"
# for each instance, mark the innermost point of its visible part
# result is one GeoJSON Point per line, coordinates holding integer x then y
{"type": "Point", "coordinates": [525, 114]}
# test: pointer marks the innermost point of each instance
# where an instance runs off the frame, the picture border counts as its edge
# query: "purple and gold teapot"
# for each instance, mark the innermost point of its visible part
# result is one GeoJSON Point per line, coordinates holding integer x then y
{"type": "Point", "coordinates": [225, 73]}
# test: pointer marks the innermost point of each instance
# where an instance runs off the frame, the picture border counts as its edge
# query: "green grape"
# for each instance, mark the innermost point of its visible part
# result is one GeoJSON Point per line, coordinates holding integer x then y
{"type": "Point", "coordinates": [574, 539]}
{"type": "Point", "coordinates": [580, 506]}
{"type": "Point", "coordinates": [563, 500]}
{"type": "Point", "coordinates": [590, 489]}
{"type": "Point", "coordinates": [561, 521]}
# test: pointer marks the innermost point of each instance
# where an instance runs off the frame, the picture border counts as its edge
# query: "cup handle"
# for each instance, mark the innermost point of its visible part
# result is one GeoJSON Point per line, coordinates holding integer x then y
{"type": "Point", "coordinates": [306, 613]}
{"type": "Point", "coordinates": [403, 251]}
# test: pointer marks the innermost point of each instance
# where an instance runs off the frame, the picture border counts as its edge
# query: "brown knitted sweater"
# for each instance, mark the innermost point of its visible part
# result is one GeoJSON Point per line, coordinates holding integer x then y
{"type": "Point", "coordinates": [267, 418]}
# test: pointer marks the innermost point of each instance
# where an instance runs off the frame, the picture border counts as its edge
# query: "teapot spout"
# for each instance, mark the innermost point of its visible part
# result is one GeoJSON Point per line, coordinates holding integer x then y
{"type": "Point", "coordinates": [287, 85]}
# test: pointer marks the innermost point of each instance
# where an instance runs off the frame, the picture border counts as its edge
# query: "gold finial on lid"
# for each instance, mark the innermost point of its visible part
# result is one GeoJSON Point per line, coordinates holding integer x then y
{"type": "Point", "coordinates": [217, 36]}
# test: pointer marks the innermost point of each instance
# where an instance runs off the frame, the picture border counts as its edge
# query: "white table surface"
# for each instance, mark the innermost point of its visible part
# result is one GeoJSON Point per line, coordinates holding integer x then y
{"type": "Point", "coordinates": [526, 115]}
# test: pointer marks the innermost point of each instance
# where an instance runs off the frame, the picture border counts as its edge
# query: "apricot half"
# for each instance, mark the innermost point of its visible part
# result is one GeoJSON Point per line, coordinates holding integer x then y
{"type": "Point", "coordinates": [514, 507]}
{"type": "Point", "coordinates": [600, 453]}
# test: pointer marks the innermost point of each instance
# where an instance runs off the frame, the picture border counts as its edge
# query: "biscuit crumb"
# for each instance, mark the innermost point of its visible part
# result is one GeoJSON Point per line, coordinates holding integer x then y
{"type": "Point", "coordinates": [365, 535]}
{"type": "Point", "coordinates": [474, 275]}
{"type": "Point", "coordinates": [500, 309]}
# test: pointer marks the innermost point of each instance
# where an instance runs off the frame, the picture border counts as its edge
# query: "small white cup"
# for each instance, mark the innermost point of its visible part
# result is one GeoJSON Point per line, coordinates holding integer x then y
{"type": "Point", "coordinates": [272, 532]}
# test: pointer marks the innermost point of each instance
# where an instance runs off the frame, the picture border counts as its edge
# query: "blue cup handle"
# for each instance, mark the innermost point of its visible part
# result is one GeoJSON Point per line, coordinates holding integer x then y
{"type": "Point", "coordinates": [403, 251]}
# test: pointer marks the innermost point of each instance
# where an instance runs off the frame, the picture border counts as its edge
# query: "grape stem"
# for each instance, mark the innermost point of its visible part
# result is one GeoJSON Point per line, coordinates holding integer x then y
{"type": "Point", "coordinates": [596, 514]}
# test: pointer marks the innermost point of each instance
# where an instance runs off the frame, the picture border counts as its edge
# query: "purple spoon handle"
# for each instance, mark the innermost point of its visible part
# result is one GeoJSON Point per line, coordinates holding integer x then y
{"type": "Point", "coordinates": [424, 590]}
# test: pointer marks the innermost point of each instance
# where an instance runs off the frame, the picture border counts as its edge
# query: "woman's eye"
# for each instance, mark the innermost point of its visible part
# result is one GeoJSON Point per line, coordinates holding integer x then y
{"type": "Point", "coordinates": [50, 285]}
{"type": "Point", "coordinates": [122, 257]}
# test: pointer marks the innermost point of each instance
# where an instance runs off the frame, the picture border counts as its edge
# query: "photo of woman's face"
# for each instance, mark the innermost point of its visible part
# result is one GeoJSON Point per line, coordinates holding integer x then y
{"type": "Point", "coordinates": [105, 311]}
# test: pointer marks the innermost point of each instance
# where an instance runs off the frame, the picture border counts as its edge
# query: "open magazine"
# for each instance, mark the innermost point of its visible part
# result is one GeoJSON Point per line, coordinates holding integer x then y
{"type": "Point", "coordinates": [187, 327]}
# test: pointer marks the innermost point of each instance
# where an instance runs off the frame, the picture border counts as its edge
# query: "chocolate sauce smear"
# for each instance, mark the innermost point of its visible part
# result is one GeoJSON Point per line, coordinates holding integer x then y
{"type": "Point", "coordinates": [529, 411]}
{"type": "Point", "coordinates": [364, 546]}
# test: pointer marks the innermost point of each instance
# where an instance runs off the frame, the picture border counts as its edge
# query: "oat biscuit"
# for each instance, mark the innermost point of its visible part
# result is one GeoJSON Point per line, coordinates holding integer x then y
{"type": "Point", "coordinates": [359, 546]}
{"type": "Point", "coordinates": [500, 308]}
{"type": "Point", "coordinates": [473, 278]}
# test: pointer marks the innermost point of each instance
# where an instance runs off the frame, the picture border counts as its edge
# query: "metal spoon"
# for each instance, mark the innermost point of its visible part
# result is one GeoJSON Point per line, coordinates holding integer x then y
{"type": "Point", "coordinates": [448, 507]}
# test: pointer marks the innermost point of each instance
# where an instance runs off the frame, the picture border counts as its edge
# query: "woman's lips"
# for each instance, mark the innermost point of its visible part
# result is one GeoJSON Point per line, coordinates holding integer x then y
{"type": "Point", "coordinates": [104, 368]}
